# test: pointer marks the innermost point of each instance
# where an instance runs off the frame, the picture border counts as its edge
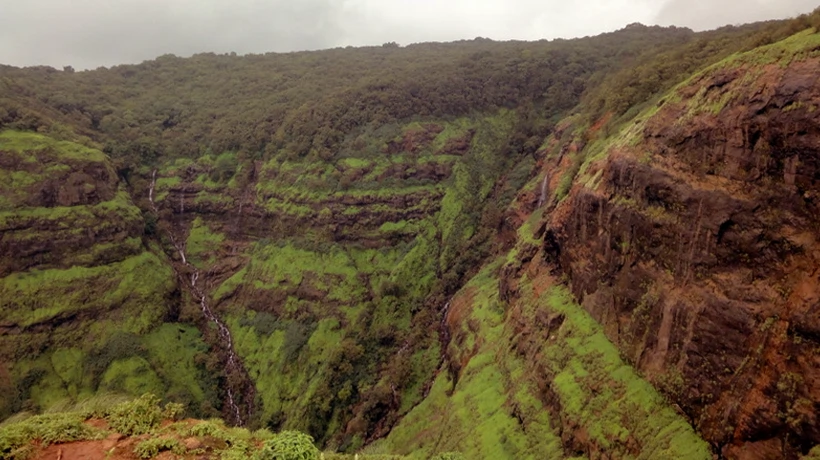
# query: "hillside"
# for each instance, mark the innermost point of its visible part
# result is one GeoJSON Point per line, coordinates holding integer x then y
{"type": "Point", "coordinates": [594, 248]}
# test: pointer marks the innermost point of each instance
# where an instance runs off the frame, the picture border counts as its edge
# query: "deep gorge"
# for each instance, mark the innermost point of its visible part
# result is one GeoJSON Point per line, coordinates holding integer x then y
{"type": "Point", "coordinates": [597, 248]}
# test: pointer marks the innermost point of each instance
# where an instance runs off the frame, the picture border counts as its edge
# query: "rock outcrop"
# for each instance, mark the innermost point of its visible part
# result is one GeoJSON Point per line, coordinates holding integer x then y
{"type": "Point", "coordinates": [695, 245]}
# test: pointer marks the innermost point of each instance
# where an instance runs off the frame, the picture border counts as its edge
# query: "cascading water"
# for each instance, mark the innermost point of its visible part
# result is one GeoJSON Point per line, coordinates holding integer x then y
{"type": "Point", "coordinates": [232, 365]}
{"type": "Point", "coordinates": [544, 187]}
{"type": "Point", "coordinates": [151, 189]}
{"type": "Point", "coordinates": [444, 331]}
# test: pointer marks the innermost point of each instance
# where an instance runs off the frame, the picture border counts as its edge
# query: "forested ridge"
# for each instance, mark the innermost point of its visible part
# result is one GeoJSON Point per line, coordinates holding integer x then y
{"type": "Point", "coordinates": [310, 103]}
{"type": "Point", "coordinates": [370, 245]}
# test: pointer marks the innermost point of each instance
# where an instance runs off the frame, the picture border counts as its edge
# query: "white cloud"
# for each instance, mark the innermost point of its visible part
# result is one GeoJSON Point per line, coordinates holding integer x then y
{"type": "Point", "coordinates": [710, 14]}
{"type": "Point", "coordinates": [90, 33]}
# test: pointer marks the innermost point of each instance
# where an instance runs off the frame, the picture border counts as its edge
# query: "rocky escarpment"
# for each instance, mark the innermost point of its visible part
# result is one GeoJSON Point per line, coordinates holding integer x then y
{"type": "Point", "coordinates": [367, 198]}
{"type": "Point", "coordinates": [330, 263]}
{"type": "Point", "coordinates": [83, 298]}
{"type": "Point", "coordinates": [694, 244]}
{"type": "Point", "coordinates": [69, 192]}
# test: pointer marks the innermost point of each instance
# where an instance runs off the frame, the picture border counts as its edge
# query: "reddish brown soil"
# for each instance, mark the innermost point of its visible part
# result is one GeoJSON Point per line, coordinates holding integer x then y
{"type": "Point", "coordinates": [90, 450]}
{"type": "Point", "coordinates": [113, 447]}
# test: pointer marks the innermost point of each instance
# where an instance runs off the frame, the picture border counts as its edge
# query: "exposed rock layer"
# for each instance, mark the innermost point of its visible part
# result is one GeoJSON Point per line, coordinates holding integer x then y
{"type": "Point", "coordinates": [697, 251]}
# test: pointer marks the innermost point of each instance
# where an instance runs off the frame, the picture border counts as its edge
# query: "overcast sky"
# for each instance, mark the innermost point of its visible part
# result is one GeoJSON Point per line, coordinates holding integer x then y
{"type": "Point", "coordinates": [92, 33]}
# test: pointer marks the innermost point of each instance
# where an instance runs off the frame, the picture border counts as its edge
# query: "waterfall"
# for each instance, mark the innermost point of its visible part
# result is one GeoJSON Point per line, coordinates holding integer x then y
{"type": "Point", "coordinates": [544, 186]}
{"type": "Point", "coordinates": [444, 331]}
{"type": "Point", "coordinates": [223, 333]}
{"type": "Point", "coordinates": [151, 189]}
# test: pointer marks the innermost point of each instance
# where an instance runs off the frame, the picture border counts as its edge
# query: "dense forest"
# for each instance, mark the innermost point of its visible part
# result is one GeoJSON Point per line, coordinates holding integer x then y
{"type": "Point", "coordinates": [373, 244]}
{"type": "Point", "coordinates": [312, 104]}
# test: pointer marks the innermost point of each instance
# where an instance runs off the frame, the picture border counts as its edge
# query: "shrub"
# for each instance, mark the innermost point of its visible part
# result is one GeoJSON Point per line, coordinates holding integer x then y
{"type": "Point", "coordinates": [213, 428]}
{"type": "Point", "coordinates": [120, 345]}
{"type": "Point", "coordinates": [288, 445]}
{"type": "Point", "coordinates": [449, 456]}
{"type": "Point", "coordinates": [141, 415]}
{"type": "Point", "coordinates": [296, 336]}
{"type": "Point", "coordinates": [238, 448]}
{"type": "Point", "coordinates": [15, 438]}
{"type": "Point", "coordinates": [150, 448]}
{"type": "Point", "coordinates": [173, 411]}
{"type": "Point", "coordinates": [224, 168]}
{"type": "Point", "coordinates": [262, 322]}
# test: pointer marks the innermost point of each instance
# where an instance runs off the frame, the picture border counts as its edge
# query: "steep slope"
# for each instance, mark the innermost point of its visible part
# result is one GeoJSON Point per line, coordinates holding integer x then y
{"type": "Point", "coordinates": [333, 276]}
{"type": "Point", "coordinates": [534, 377]}
{"type": "Point", "coordinates": [86, 305]}
{"type": "Point", "coordinates": [691, 237]}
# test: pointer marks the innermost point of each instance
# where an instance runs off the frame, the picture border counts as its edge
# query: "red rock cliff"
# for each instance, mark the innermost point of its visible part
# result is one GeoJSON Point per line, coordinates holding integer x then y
{"type": "Point", "coordinates": [696, 246]}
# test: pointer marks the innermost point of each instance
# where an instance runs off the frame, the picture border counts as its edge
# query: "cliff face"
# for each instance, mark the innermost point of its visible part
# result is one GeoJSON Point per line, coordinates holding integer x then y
{"type": "Point", "coordinates": [338, 265]}
{"type": "Point", "coordinates": [694, 244]}
{"type": "Point", "coordinates": [68, 192]}
{"type": "Point", "coordinates": [87, 305]}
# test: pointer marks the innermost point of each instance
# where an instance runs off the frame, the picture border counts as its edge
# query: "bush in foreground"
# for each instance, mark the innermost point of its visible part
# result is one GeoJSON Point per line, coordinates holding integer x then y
{"type": "Point", "coordinates": [288, 445]}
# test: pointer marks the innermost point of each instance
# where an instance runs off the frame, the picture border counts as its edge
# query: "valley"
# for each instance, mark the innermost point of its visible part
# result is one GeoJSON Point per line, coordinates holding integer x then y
{"type": "Point", "coordinates": [593, 248]}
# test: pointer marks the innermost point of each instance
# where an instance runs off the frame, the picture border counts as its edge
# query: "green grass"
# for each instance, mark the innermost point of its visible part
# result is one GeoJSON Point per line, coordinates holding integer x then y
{"type": "Point", "coordinates": [593, 386]}
{"type": "Point", "coordinates": [309, 332]}
{"type": "Point", "coordinates": [132, 375]}
{"type": "Point", "coordinates": [31, 222]}
{"type": "Point", "coordinates": [287, 267]}
{"type": "Point", "coordinates": [38, 162]}
{"type": "Point", "coordinates": [28, 144]}
{"type": "Point", "coordinates": [337, 271]}
{"type": "Point", "coordinates": [285, 207]}
{"type": "Point", "coordinates": [163, 187]}
{"type": "Point", "coordinates": [16, 438]}
{"type": "Point", "coordinates": [527, 238]}
{"type": "Point", "coordinates": [173, 350]}
{"type": "Point", "coordinates": [41, 295]}
{"type": "Point", "coordinates": [600, 392]}
{"type": "Point", "coordinates": [416, 271]}
{"type": "Point", "coordinates": [472, 180]}
{"type": "Point", "coordinates": [814, 454]}
{"type": "Point", "coordinates": [799, 47]}
{"type": "Point", "coordinates": [477, 418]}
{"type": "Point", "coordinates": [630, 132]}
{"type": "Point", "coordinates": [453, 130]}
{"type": "Point", "coordinates": [105, 252]}
{"type": "Point", "coordinates": [355, 163]}
{"type": "Point", "coordinates": [364, 184]}
{"type": "Point", "coordinates": [345, 276]}
{"type": "Point", "coordinates": [98, 304]}
{"type": "Point", "coordinates": [202, 243]}
{"type": "Point", "coordinates": [402, 227]}
{"type": "Point", "coordinates": [164, 361]}
{"type": "Point", "coordinates": [284, 386]}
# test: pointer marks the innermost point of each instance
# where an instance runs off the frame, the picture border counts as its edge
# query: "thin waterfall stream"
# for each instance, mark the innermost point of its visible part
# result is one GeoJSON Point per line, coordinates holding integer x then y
{"type": "Point", "coordinates": [444, 331]}
{"type": "Point", "coordinates": [544, 187]}
{"type": "Point", "coordinates": [232, 365]}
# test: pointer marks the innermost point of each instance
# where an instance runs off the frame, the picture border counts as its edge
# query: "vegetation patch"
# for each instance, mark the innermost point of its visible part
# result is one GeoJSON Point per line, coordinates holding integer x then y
{"type": "Point", "coordinates": [16, 438]}
{"type": "Point", "coordinates": [202, 243]}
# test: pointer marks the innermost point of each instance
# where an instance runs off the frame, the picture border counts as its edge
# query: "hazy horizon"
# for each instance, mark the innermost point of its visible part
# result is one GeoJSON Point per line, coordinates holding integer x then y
{"type": "Point", "coordinates": [92, 33]}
